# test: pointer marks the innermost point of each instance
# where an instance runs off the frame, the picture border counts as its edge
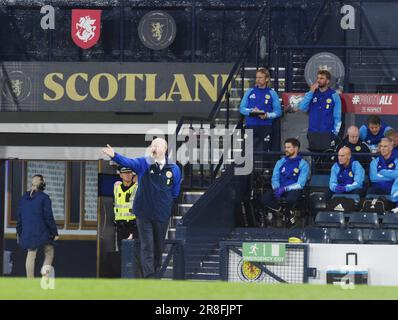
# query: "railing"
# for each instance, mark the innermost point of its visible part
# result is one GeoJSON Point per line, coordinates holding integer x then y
{"type": "Point", "coordinates": [238, 69]}
{"type": "Point", "coordinates": [211, 218]}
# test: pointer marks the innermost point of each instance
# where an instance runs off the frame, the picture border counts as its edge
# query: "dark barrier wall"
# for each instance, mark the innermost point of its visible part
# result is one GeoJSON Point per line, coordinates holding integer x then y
{"type": "Point", "coordinates": [73, 258]}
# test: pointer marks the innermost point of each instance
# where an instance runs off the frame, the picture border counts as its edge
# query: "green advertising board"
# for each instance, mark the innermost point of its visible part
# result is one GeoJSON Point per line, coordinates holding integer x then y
{"type": "Point", "coordinates": [264, 252]}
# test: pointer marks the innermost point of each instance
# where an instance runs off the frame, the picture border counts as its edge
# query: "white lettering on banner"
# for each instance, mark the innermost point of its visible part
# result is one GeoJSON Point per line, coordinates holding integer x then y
{"type": "Point", "coordinates": [386, 100]}
{"type": "Point", "coordinates": [347, 22]}
{"type": "Point", "coordinates": [48, 21]}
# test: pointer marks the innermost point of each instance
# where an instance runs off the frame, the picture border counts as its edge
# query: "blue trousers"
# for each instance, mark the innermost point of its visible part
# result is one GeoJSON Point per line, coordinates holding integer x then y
{"type": "Point", "coordinates": [152, 234]}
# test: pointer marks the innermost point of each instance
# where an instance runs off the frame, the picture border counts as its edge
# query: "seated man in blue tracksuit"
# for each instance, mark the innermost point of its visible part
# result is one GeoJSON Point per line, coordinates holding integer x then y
{"type": "Point", "coordinates": [288, 180]}
{"type": "Point", "coordinates": [384, 171]}
{"type": "Point", "coordinates": [373, 132]}
{"type": "Point", "coordinates": [347, 175]}
{"type": "Point", "coordinates": [158, 187]}
{"type": "Point", "coordinates": [323, 105]}
{"type": "Point", "coordinates": [263, 99]}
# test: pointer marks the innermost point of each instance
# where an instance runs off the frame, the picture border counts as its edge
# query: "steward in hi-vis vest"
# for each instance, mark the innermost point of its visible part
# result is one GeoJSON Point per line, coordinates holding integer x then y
{"type": "Point", "coordinates": [123, 197]}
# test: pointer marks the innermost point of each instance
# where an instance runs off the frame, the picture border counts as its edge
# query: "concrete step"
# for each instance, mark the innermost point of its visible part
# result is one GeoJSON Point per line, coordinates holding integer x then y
{"type": "Point", "coordinates": [184, 208]}
{"type": "Point", "coordinates": [203, 276]}
{"type": "Point", "coordinates": [190, 197]}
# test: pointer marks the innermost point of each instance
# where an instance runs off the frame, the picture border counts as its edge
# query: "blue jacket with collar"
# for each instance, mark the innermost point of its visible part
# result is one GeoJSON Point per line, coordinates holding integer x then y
{"type": "Point", "coordinates": [265, 99]}
{"type": "Point", "coordinates": [352, 176]}
{"type": "Point", "coordinates": [370, 139]}
{"type": "Point", "coordinates": [157, 189]}
{"type": "Point", "coordinates": [324, 109]}
{"type": "Point", "coordinates": [383, 172]}
{"type": "Point", "coordinates": [36, 226]}
{"type": "Point", "coordinates": [290, 173]}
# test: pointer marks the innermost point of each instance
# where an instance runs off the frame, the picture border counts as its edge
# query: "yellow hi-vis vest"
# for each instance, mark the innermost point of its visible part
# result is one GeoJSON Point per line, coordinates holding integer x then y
{"type": "Point", "coordinates": [123, 205]}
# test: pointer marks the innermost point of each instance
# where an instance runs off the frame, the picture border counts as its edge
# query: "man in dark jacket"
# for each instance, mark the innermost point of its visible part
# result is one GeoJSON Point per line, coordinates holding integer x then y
{"type": "Point", "coordinates": [158, 187]}
{"type": "Point", "coordinates": [36, 226]}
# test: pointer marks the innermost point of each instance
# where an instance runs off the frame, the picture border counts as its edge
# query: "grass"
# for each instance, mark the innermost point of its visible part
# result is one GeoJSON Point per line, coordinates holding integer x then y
{"type": "Point", "coordinates": [87, 289]}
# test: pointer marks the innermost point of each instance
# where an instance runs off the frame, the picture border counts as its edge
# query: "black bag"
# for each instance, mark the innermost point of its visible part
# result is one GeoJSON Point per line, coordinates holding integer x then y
{"type": "Point", "coordinates": [319, 141]}
{"type": "Point", "coordinates": [341, 204]}
{"type": "Point", "coordinates": [317, 200]}
{"type": "Point", "coordinates": [379, 205]}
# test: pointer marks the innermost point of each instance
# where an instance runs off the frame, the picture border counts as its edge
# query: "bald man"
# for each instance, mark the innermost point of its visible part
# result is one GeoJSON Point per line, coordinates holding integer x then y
{"type": "Point", "coordinates": [354, 142]}
{"type": "Point", "coordinates": [384, 171]}
{"type": "Point", "coordinates": [158, 187]}
{"type": "Point", "coordinates": [347, 175]}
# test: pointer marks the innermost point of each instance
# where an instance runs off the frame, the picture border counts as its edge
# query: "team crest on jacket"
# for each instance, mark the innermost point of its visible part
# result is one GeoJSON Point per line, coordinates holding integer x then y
{"type": "Point", "coordinates": [351, 174]}
{"type": "Point", "coordinates": [357, 148]}
{"type": "Point", "coordinates": [86, 27]}
{"type": "Point", "coordinates": [328, 100]}
{"type": "Point", "coordinates": [390, 165]}
{"type": "Point", "coordinates": [169, 174]}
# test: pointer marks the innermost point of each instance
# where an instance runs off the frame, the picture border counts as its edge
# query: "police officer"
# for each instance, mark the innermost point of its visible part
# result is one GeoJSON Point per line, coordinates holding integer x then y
{"type": "Point", "coordinates": [323, 105]}
{"type": "Point", "coordinates": [347, 175]}
{"type": "Point", "coordinates": [124, 192]}
{"type": "Point", "coordinates": [159, 186]}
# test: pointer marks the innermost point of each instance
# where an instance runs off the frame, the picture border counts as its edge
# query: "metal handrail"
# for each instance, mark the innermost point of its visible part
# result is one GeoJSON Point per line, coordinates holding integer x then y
{"type": "Point", "coordinates": [242, 56]}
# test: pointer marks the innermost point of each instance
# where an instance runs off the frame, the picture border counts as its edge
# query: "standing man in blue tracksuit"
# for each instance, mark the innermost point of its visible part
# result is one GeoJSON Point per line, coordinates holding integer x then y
{"type": "Point", "coordinates": [373, 132]}
{"type": "Point", "coordinates": [288, 180]}
{"type": "Point", "coordinates": [347, 175]}
{"type": "Point", "coordinates": [260, 106]}
{"type": "Point", "coordinates": [159, 184]}
{"type": "Point", "coordinates": [323, 105]}
{"type": "Point", "coordinates": [384, 171]}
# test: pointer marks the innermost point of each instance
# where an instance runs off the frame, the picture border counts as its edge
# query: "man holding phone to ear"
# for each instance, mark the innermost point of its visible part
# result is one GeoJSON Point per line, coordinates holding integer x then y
{"type": "Point", "coordinates": [323, 105]}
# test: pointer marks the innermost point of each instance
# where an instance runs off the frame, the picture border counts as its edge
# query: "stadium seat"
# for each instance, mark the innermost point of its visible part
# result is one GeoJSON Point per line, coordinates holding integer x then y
{"type": "Point", "coordinates": [329, 219]}
{"type": "Point", "coordinates": [390, 221]}
{"type": "Point", "coordinates": [347, 236]}
{"type": "Point", "coordinates": [316, 235]}
{"type": "Point", "coordinates": [363, 220]}
{"type": "Point", "coordinates": [380, 236]}
{"type": "Point", "coordinates": [319, 181]}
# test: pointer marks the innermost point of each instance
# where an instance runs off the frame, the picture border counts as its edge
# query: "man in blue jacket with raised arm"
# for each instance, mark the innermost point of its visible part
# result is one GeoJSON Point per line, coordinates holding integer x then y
{"type": "Point", "coordinates": [384, 171]}
{"type": "Point", "coordinates": [260, 106]}
{"type": "Point", "coordinates": [347, 175]}
{"type": "Point", "coordinates": [323, 105]}
{"type": "Point", "coordinates": [159, 184]}
{"type": "Point", "coordinates": [288, 180]}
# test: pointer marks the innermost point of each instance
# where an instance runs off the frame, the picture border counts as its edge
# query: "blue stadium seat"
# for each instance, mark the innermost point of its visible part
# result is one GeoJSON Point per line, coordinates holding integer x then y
{"type": "Point", "coordinates": [380, 236]}
{"type": "Point", "coordinates": [329, 219]}
{"type": "Point", "coordinates": [347, 236]}
{"type": "Point", "coordinates": [319, 180]}
{"type": "Point", "coordinates": [355, 197]}
{"type": "Point", "coordinates": [390, 221]}
{"type": "Point", "coordinates": [373, 196]}
{"type": "Point", "coordinates": [316, 235]}
{"type": "Point", "coordinates": [364, 220]}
